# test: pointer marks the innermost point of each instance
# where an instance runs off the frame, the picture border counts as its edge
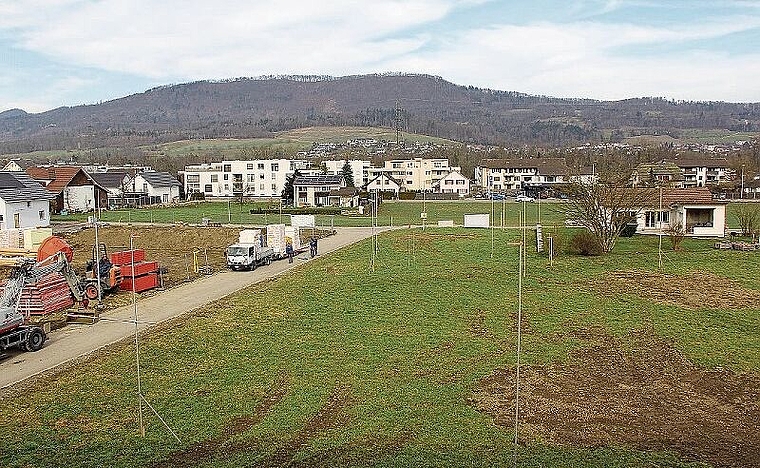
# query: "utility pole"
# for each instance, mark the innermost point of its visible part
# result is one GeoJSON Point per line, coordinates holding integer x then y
{"type": "Point", "coordinates": [398, 123]}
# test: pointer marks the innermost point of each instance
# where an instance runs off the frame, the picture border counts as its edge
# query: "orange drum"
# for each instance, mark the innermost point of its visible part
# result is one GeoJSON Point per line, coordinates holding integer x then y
{"type": "Point", "coordinates": [51, 246]}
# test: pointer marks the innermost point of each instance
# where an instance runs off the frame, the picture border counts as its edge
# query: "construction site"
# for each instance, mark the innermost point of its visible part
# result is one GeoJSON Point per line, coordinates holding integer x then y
{"type": "Point", "coordinates": [81, 273]}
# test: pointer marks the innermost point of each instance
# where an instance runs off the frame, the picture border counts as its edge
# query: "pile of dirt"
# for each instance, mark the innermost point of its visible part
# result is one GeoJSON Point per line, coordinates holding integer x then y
{"type": "Point", "coordinates": [648, 398]}
{"type": "Point", "coordinates": [694, 291]}
{"type": "Point", "coordinates": [171, 246]}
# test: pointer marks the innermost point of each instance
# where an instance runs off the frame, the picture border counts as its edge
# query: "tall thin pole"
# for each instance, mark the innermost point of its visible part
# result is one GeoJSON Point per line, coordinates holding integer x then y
{"type": "Point", "coordinates": [137, 341]}
{"type": "Point", "coordinates": [96, 260]}
{"type": "Point", "coordinates": [493, 215]}
{"type": "Point", "coordinates": [659, 222]}
{"type": "Point", "coordinates": [520, 270]}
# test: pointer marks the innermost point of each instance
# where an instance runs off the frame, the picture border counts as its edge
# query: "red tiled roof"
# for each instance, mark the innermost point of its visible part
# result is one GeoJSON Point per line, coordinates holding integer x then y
{"type": "Point", "coordinates": [686, 196]}
{"type": "Point", "coordinates": [59, 177]}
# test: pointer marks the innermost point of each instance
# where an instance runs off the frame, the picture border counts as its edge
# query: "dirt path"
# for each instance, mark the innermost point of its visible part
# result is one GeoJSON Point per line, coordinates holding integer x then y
{"type": "Point", "coordinates": [74, 340]}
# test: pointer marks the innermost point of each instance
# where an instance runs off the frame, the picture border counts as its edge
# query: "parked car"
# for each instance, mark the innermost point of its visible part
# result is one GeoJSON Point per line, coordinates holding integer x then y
{"type": "Point", "coordinates": [497, 196]}
{"type": "Point", "coordinates": [524, 198]}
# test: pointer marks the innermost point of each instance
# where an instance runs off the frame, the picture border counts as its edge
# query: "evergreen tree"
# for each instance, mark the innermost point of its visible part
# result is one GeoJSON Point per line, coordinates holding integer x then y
{"type": "Point", "coordinates": [348, 174]}
{"type": "Point", "coordinates": [287, 191]}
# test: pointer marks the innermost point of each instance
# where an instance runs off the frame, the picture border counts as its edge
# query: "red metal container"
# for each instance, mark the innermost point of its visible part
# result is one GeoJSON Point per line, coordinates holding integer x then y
{"type": "Point", "coordinates": [125, 256]}
{"type": "Point", "coordinates": [141, 268]}
{"type": "Point", "coordinates": [140, 283]}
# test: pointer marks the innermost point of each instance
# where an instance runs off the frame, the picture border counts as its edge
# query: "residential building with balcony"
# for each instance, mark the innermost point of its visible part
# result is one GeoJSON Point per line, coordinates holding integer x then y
{"type": "Point", "coordinates": [254, 178]}
{"type": "Point", "coordinates": [416, 173]}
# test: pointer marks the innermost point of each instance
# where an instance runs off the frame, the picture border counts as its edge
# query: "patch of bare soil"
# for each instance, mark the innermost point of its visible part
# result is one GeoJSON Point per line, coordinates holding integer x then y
{"type": "Point", "coordinates": [332, 415]}
{"type": "Point", "coordinates": [649, 398]}
{"type": "Point", "coordinates": [171, 246]}
{"type": "Point", "coordinates": [694, 291]}
{"type": "Point", "coordinates": [224, 446]}
{"type": "Point", "coordinates": [220, 446]}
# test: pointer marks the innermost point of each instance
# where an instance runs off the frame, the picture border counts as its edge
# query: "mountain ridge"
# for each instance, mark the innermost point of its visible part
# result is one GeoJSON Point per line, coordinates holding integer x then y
{"type": "Point", "coordinates": [419, 103]}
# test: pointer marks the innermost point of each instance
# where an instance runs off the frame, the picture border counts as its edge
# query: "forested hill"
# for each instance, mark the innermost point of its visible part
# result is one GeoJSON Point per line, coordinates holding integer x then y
{"type": "Point", "coordinates": [423, 104]}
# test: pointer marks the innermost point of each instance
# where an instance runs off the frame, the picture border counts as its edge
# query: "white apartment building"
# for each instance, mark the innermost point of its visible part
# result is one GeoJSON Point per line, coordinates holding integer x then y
{"type": "Point", "coordinates": [254, 178]}
{"type": "Point", "coordinates": [359, 168]}
{"type": "Point", "coordinates": [702, 171]}
{"type": "Point", "coordinates": [416, 173]}
{"type": "Point", "coordinates": [520, 174]}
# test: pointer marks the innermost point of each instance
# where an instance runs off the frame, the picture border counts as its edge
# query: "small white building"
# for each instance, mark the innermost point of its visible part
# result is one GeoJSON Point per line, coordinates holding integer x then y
{"type": "Point", "coordinates": [695, 209]}
{"type": "Point", "coordinates": [453, 182]}
{"type": "Point", "coordinates": [384, 182]}
{"type": "Point", "coordinates": [161, 187]}
{"type": "Point", "coordinates": [24, 203]}
{"type": "Point", "coordinates": [314, 190]}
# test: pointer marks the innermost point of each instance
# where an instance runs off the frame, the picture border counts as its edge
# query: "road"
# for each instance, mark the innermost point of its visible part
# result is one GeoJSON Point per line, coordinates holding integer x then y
{"type": "Point", "coordinates": [76, 340]}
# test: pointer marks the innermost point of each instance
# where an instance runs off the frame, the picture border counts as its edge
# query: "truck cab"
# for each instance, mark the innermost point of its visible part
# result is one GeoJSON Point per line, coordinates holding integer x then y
{"type": "Point", "coordinates": [243, 256]}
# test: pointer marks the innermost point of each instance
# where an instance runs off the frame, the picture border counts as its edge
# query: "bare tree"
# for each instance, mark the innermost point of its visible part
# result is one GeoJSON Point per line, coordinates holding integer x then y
{"type": "Point", "coordinates": [605, 208]}
{"type": "Point", "coordinates": [677, 234]}
{"type": "Point", "coordinates": [748, 217]}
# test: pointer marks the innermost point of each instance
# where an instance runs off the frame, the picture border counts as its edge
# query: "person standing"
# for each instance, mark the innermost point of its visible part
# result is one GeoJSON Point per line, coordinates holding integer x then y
{"type": "Point", "coordinates": [313, 246]}
{"type": "Point", "coordinates": [289, 250]}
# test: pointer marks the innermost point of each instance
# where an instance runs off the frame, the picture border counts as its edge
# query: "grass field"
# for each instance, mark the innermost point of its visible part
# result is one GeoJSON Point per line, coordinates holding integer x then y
{"type": "Point", "coordinates": [505, 213]}
{"type": "Point", "coordinates": [391, 213]}
{"type": "Point", "coordinates": [336, 365]}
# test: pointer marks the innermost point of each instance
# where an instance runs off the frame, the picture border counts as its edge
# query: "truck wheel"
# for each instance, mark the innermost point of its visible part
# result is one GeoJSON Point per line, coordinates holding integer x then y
{"type": "Point", "coordinates": [91, 292]}
{"type": "Point", "coordinates": [35, 339]}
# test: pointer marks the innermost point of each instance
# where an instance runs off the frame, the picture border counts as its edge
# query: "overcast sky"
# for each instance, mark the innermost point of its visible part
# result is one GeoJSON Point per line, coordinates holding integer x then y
{"type": "Point", "coordinates": [70, 52]}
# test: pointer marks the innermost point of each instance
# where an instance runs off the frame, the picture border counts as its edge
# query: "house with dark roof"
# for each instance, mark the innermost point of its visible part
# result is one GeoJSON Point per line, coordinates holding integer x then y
{"type": "Point", "coordinates": [24, 203]}
{"type": "Point", "coordinates": [314, 190]}
{"type": "Point", "coordinates": [73, 188]}
{"type": "Point", "coordinates": [695, 210]}
{"type": "Point", "coordinates": [160, 187]}
{"type": "Point", "coordinates": [120, 189]}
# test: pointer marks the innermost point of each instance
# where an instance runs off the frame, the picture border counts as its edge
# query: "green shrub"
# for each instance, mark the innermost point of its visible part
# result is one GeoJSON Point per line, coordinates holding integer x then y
{"type": "Point", "coordinates": [585, 243]}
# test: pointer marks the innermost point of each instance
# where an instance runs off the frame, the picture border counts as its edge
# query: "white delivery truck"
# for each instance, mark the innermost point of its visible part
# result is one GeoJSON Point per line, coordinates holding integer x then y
{"type": "Point", "coordinates": [249, 252]}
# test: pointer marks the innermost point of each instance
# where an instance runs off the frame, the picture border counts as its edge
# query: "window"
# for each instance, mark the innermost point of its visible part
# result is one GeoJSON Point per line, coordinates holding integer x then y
{"type": "Point", "coordinates": [449, 182]}
{"type": "Point", "coordinates": [261, 176]}
{"type": "Point", "coordinates": [249, 166]}
{"type": "Point", "coordinates": [274, 186]}
{"type": "Point", "coordinates": [275, 167]}
{"type": "Point", "coordinates": [214, 177]}
{"type": "Point", "coordinates": [226, 177]}
{"type": "Point", "coordinates": [207, 188]}
{"type": "Point", "coordinates": [251, 177]}
{"type": "Point", "coordinates": [260, 166]}
{"type": "Point", "coordinates": [145, 188]}
{"type": "Point", "coordinates": [460, 182]}
{"type": "Point", "coordinates": [261, 187]}
{"type": "Point", "coordinates": [42, 215]}
{"type": "Point", "coordinates": [28, 204]}
{"type": "Point", "coordinates": [651, 218]}
{"type": "Point", "coordinates": [195, 178]}
{"type": "Point", "coordinates": [165, 197]}
{"type": "Point", "coordinates": [227, 168]}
